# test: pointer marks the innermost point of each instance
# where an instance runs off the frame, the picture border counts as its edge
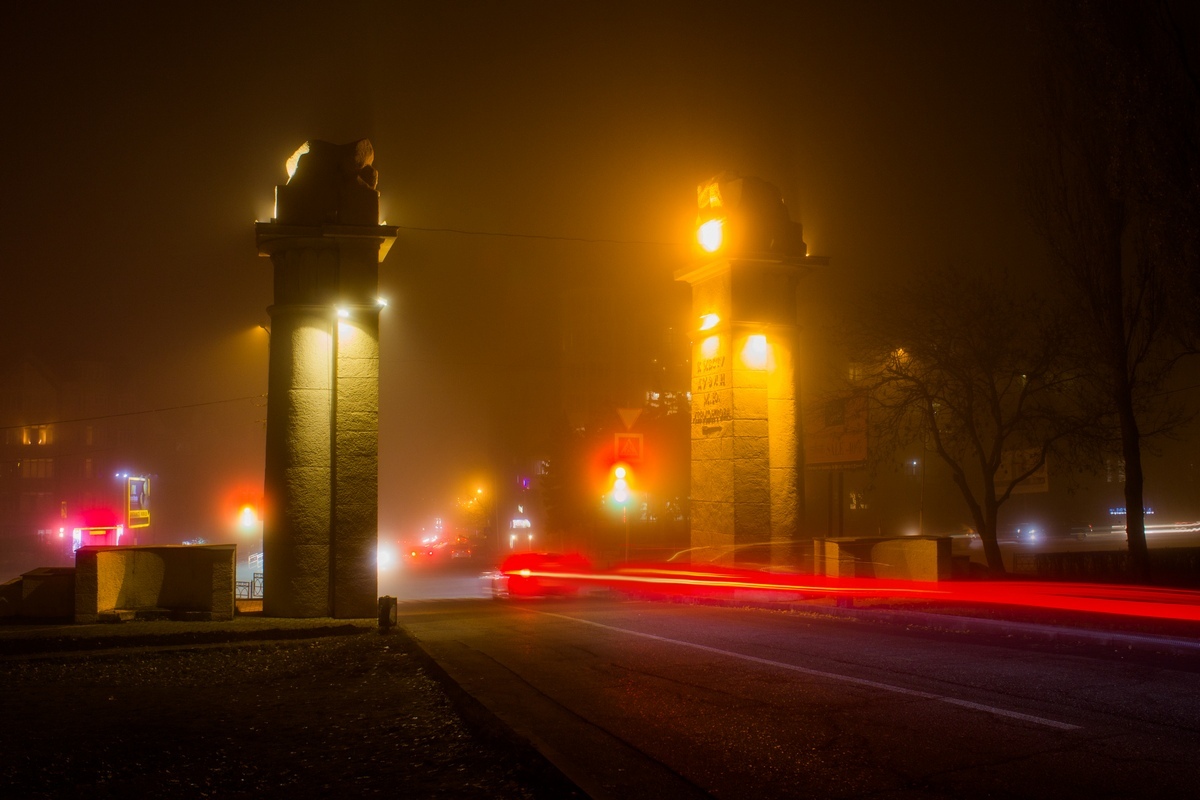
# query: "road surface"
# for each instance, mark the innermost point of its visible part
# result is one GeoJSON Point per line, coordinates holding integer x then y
{"type": "Point", "coordinates": [658, 700]}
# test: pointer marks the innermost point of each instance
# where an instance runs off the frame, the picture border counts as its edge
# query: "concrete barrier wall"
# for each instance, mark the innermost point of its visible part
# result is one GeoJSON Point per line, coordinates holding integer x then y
{"type": "Point", "coordinates": [909, 558]}
{"type": "Point", "coordinates": [46, 593]}
{"type": "Point", "coordinates": [175, 578]}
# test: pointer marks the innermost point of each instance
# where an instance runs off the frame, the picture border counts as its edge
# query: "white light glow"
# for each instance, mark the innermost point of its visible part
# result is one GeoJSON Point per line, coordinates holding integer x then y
{"type": "Point", "coordinates": [247, 519]}
{"type": "Point", "coordinates": [756, 354]}
{"type": "Point", "coordinates": [385, 558]}
{"type": "Point", "coordinates": [711, 234]}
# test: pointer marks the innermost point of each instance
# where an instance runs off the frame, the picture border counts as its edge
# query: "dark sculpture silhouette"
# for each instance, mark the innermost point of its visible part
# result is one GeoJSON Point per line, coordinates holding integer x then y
{"type": "Point", "coordinates": [329, 184]}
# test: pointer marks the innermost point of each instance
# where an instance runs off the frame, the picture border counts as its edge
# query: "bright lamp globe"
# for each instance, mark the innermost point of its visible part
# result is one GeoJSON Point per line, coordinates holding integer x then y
{"type": "Point", "coordinates": [710, 234]}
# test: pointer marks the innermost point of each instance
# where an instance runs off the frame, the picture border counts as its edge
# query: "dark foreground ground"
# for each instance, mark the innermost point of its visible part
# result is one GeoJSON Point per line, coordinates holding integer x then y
{"type": "Point", "coordinates": [176, 710]}
{"type": "Point", "coordinates": [322, 708]}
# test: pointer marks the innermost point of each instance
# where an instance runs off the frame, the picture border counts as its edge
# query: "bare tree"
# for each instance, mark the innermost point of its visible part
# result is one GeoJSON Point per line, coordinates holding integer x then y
{"type": "Point", "coordinates": [974, 370]}
{"type": "Point", "coordinates": [1113, 193]}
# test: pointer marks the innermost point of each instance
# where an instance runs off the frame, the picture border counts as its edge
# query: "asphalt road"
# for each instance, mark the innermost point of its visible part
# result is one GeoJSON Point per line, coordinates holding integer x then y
{"type": "Point", "coordinates": [633, 699]}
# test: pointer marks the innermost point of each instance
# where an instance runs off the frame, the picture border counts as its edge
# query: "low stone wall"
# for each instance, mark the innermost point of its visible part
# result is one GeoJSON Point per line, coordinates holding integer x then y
{"type": "Point", "coordinates": [45, 593]}
{"type": "Point", "coordinates": [179, 579]}
{"type": "Point", "coordinates": [908, 558]}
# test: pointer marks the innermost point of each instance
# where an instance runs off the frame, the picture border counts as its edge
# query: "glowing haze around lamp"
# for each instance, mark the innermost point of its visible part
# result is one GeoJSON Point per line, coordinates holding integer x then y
{"type": "Point", "coordinates": [745, 217]}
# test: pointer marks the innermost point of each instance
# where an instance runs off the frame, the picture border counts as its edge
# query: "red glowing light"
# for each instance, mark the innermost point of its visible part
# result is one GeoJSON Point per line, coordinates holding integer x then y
{"type": "Point", "coordinates": [719, 582]}
{"type": "Point", "coordinates": [537, 574]}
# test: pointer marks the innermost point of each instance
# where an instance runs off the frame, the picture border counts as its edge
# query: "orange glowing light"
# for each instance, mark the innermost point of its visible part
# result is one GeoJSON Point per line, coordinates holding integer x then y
{"type": "Point", "coordinates": [711, 234]}
{"type": "Point", "coordinates": [247, 517]}
{"type": "Point", "coordinates": [756, 355]}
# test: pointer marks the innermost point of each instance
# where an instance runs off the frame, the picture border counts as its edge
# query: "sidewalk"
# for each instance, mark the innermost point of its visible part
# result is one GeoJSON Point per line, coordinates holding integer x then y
{"type": "Point", "coordinates": [254, 706]}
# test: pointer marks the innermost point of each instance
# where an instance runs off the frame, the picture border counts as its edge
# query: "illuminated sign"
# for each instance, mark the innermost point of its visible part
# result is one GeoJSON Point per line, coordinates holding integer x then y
{"type": "Point", "coordinates": [97, 535]}
{"type": "Point", "coordinates": [628, 446]}
{"type": "Point", "coordinates": [137, 502]}
{"type": "Point", "coordinates": [1119, 511]}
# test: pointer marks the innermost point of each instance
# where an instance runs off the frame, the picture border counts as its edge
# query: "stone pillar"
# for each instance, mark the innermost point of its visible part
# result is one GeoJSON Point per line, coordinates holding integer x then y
{"type": "Point", "coordinates": [321, 486]}
{"type": "Point", "coordinates": [746, 444]}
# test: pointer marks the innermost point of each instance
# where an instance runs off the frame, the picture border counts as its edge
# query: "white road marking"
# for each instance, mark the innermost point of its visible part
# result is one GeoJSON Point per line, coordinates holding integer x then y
{"type": "Point", "coordinates": [887, 687]}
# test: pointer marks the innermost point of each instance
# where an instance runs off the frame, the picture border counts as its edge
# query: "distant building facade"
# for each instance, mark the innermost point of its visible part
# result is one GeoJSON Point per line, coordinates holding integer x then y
{"type": "Point", "coordinates": [60, 446]}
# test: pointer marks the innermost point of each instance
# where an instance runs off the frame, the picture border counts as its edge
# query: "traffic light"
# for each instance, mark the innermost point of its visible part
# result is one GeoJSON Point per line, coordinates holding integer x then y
{"type": "Point", "coordinates": [620, 484]}
{"type": "Point", "coordinates": [745, 217]}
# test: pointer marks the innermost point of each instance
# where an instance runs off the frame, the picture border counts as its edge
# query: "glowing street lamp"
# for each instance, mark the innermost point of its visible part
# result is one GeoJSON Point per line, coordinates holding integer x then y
{"type": "Point", "coordinates": [745, 217]}
{"type": "Point", "coordinates": [248, 520]}
{"type": "Point", "coordinates": [711, 234]}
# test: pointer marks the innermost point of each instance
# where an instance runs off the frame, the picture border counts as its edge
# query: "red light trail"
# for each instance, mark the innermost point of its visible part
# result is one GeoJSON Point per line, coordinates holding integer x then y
{"type": "Point", "coordinates": [717, 582]}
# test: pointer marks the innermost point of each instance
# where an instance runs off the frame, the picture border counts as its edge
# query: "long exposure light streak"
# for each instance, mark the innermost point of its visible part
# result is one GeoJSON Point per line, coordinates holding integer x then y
{"type": "Point", "coordinates": [667, 580]}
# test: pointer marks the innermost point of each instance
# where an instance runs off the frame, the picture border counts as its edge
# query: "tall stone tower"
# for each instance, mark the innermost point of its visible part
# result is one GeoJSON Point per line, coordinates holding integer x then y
{"type": "Point", "coordinates": [746, 449]}
{"type": "Point", "coordinates": [321, 511]}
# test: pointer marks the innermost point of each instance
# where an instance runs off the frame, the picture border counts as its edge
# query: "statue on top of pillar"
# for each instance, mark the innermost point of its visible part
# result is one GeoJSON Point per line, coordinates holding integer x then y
{"type": "Point", "coordinates": [329, 184]}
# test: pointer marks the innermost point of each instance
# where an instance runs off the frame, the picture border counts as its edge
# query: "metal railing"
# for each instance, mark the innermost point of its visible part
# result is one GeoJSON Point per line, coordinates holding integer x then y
{"type": "Point", "coordinates": [249, 590]}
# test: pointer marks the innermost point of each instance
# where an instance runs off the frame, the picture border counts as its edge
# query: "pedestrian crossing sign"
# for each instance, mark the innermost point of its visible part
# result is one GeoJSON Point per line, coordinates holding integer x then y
{"type": "Point", "coordinates": [628, 447]}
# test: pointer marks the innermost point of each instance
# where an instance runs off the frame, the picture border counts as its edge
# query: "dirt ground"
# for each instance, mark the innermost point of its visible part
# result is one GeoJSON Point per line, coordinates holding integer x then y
{"type": "Point", "coordinates": [352, 715]}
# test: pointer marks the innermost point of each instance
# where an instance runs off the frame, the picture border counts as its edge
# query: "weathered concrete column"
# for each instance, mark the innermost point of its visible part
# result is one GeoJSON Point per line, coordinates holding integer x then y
{"type": "Point", "coordinates": [745, 492]}
{"type": "Point", "coordinates": [321, 511]}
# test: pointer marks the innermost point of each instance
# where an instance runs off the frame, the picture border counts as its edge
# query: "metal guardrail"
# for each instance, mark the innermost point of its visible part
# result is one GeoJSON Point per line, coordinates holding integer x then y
{"type": "Point", "coordinates": [249, 590]}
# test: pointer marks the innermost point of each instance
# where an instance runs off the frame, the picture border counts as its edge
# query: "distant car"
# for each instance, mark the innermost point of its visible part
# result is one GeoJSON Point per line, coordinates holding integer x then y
{"type": "Point", "coordinates": [425, 552]}
{"type": "Point", "coordinates": [1030, 533]}
{"type": "Point", "coordinates": [539, 575]}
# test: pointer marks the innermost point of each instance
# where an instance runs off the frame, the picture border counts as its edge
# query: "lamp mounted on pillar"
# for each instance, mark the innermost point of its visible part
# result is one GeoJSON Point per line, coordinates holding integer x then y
{"type": "Point", "coordinates": [743, 217]}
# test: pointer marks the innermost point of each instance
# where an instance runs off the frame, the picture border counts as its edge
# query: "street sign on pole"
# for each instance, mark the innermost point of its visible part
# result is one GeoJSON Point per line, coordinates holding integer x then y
{"type": "Point", "coordinates": [628, 447]}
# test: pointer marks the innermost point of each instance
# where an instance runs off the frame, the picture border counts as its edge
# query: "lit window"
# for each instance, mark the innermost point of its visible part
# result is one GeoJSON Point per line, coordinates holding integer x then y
{"type": "Point", "coordinates": [36, 434]}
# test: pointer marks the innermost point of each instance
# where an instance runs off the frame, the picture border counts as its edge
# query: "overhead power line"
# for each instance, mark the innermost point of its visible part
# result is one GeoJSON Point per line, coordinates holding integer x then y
{"type": "Point", "coordinates": [134, 413]}
{"type": "Point", "coordinates": [543, 237]}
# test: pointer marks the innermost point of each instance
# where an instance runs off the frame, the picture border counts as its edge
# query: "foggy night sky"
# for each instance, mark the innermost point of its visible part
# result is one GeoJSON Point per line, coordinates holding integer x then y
{"type": "Point", "coordinates": [142, 140]}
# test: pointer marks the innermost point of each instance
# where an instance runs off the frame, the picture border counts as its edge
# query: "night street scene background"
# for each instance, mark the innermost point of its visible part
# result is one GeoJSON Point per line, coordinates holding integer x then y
{"type": "Point", "coordinates": [1001, 201]}
{"type": "Point", "coordinates": [541, 165]}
